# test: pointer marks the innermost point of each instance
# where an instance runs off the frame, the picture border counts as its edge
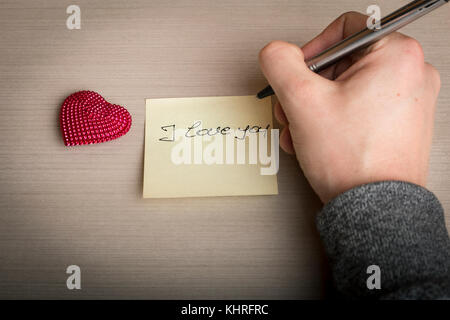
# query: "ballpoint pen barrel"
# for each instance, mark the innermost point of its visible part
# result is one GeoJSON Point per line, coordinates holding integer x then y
{"type": "Point", "coordinates": [366, 37]}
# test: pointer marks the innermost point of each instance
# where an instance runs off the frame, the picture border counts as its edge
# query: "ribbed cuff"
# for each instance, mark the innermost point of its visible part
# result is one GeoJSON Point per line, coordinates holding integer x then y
{"type": "Point", "coordinates": [397, 226]}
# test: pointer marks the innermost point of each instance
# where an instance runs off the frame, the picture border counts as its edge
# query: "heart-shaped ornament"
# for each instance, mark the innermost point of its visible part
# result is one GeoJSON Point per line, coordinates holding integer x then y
{"type": "Point", "coordinates": [87, 118]}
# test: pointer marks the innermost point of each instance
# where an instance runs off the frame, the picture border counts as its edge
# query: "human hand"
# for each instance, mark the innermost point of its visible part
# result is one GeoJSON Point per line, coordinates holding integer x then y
{"type": "Point", "coordinates": [369, 118]}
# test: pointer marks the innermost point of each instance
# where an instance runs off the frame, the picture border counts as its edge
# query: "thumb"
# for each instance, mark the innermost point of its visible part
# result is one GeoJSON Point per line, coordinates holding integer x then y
{"type": "Point", "coordinates": [283, 64]}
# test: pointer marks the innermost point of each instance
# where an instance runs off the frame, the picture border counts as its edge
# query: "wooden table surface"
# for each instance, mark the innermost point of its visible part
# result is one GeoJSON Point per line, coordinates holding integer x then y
{"type": "Point", "coordinates": [83, 206]}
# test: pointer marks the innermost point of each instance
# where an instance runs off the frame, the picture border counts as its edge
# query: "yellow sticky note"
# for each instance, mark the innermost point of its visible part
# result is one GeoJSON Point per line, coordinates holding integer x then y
{"type": "Point", "coordinates": [210, 146]}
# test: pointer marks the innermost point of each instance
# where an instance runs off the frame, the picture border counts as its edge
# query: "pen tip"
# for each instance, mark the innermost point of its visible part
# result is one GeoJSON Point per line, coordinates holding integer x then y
{"type": "Point", "coordinates": [267, 91]}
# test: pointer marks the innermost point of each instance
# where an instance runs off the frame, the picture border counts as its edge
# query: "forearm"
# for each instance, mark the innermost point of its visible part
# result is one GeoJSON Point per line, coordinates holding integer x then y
{"type": "Point", "coordinates": [397, 226]}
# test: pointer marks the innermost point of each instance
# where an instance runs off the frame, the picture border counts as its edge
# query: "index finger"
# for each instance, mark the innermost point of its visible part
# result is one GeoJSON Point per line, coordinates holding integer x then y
{"type": "Point", "coordinates": [346, 25]}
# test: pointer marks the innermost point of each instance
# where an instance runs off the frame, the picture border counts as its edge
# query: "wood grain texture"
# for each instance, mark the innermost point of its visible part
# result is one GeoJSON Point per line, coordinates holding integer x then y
{"type": "Point", "coordinates": [61, 206]}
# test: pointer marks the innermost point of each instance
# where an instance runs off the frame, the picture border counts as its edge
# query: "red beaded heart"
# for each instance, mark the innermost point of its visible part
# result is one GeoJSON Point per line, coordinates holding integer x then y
{"type": "Point", "coordinates": [87, 118]}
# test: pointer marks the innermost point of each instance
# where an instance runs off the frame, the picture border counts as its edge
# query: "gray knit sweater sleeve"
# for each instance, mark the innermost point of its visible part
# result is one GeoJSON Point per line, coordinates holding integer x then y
{"type": "Point", "coordinates": [398, 228]}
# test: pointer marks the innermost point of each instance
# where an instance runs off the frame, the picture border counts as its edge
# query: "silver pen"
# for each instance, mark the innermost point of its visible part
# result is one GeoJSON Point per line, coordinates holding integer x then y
{"type": "Point", "coordinates": [366, 37]}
